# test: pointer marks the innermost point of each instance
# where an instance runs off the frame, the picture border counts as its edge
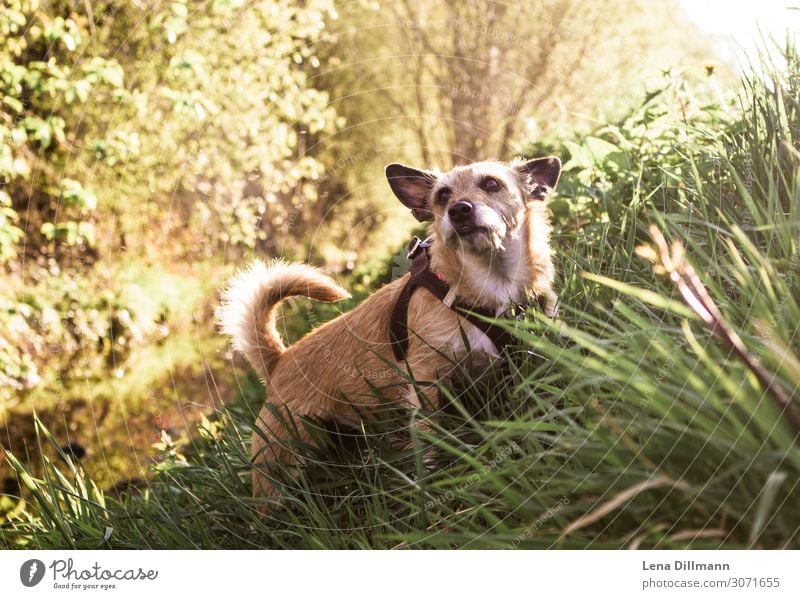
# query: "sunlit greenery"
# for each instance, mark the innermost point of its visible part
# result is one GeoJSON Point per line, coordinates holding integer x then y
{"type": "Point", "coordinates": [148, 148]}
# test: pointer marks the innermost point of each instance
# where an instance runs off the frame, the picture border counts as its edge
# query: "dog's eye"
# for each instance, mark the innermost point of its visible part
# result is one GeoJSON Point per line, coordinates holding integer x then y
{"type": "Point", "coordinates": [443, 195]}
{"type": "Point", "coordinates": [490, 184]}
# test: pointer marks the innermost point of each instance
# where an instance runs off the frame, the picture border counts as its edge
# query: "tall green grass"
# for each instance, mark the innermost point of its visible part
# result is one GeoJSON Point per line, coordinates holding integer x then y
{"type": "Point", "coordinates": [624, 422]}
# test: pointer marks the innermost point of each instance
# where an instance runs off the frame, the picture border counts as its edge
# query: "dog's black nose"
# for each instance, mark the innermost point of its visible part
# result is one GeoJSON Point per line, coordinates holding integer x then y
{"type": "Point", "coordinates": [459, 211]}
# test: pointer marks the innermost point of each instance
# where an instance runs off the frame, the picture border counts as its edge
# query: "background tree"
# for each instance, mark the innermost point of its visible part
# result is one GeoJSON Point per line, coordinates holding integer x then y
{"type": "Point", "coordinates": [441, 82]}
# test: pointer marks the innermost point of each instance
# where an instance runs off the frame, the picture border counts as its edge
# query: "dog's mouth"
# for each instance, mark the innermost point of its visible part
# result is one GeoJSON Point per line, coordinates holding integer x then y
{"type": "Point", "coordinates": [470, 236]}
{"type": "Point", "coordinates": [468, 230]}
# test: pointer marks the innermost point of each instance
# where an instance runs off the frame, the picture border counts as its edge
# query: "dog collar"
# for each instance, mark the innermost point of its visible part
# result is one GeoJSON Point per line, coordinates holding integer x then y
{"type": "Point", "coordinates": [434, 283]}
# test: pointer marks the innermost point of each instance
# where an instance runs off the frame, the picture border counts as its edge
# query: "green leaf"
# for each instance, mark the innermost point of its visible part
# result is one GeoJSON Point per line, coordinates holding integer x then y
{"type": "Point", "coordinates": [13, 103]}
{"type": "Point", "coordinates": [48, 230]}
{"type": "Point", "coordinates": [766, 501]}
{"type": "Point", "coordinates": [645, 295]}
{"type": "Point", "coordinates": [599, 149]}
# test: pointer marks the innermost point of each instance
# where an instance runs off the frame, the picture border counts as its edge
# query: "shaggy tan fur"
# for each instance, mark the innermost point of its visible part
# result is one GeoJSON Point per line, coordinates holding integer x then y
{"type": "Point", "coordinates": [332, 368]}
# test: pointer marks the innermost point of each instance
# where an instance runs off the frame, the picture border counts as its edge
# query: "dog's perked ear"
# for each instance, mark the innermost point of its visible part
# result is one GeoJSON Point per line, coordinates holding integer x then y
{"type": "Point", "coordinates": [540, 176]}
{"type": "Point", "coordinates": [413, 188]}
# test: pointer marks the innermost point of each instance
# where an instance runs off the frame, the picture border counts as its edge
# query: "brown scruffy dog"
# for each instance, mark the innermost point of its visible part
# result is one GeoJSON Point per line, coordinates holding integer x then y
{"type": "Point", "coordinates": [490, 232]}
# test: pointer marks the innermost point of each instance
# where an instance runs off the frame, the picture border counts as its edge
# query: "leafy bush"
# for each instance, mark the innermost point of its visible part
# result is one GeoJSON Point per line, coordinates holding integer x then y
{"type": "Point", "coordinates": [124, 137]}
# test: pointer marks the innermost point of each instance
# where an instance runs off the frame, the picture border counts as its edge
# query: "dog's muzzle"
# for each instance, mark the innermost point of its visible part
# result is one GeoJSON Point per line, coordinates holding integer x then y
{"type": "Point", "coordinates": [462, 218]}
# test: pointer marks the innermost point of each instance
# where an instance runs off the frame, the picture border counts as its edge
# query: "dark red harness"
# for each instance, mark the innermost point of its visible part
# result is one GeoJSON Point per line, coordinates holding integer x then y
{"type": "Point", "coordinates": [423, 276]}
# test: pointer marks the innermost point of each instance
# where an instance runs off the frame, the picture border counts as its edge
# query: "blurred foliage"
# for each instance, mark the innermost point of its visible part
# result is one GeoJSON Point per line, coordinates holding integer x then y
{"type": "Point", "coordinates": [42, 93]}
{"type": "Point", "coordinates": [123, 125]}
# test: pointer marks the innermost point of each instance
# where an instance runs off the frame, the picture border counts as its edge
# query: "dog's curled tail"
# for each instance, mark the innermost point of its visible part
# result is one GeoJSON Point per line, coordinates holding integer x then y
{"type": "Point", "coordinates": [247, 312]}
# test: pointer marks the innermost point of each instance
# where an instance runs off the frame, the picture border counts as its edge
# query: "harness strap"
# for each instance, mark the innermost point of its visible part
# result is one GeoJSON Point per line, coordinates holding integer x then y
{"type": "Point", "coordinates": [423, 276]}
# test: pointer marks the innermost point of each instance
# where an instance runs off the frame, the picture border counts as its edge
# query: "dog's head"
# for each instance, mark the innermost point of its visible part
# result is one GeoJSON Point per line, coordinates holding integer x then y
{"type": "Point", "coordinates": [477, 207]}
